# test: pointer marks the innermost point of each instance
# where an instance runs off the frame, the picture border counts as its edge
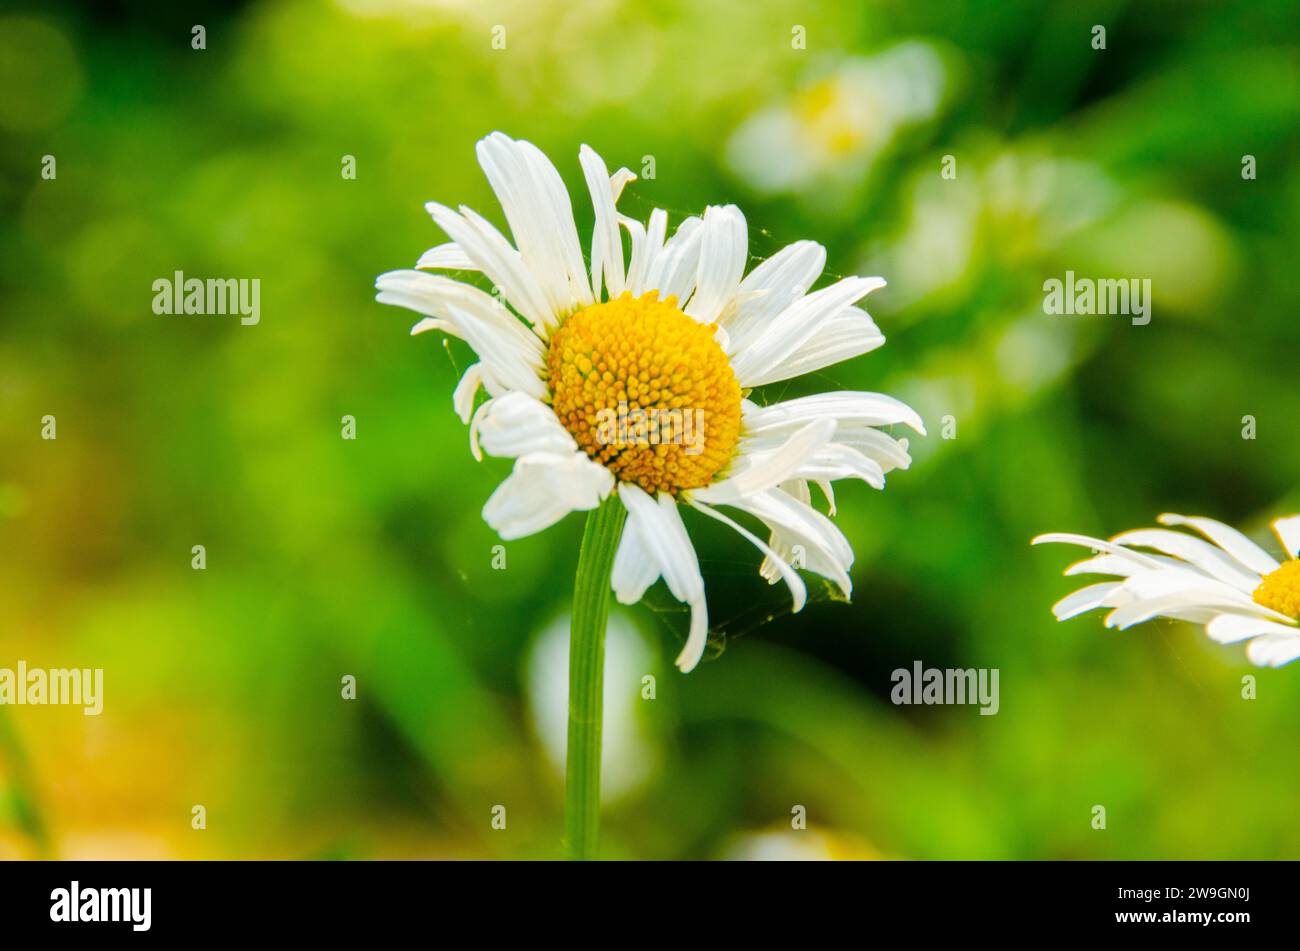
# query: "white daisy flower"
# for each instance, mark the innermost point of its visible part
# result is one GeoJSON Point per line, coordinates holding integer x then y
{"type": "Point", "coordinates": [1229, 584]}
{"type": "Point", "coordinates": [631, 377]}
{"type": "Point", "coordinates": [835, 127]}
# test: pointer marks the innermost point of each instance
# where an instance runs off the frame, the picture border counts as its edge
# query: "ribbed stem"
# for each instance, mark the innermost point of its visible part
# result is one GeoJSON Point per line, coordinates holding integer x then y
{"type": "Point", "coordinates": [587, 676]}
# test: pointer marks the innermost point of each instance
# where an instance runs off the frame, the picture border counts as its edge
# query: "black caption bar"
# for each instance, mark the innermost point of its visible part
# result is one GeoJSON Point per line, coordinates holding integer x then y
{"type": "Point", "coordinates": [174, 900]}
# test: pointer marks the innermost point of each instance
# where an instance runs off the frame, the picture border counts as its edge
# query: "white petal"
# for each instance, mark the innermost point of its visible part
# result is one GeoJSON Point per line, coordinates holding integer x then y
{"type": "Point", "coordinates": [797, 589]}
{"type": "Point", "coordinates": [849, 334]}
{"type": "Point", "coordinates": [781, 542]}
{"type": "Point", "coordinates": [537, 206]}
{"type": "Point", "coordinates": [872, 409]}
{"type": "Point", "coordinates": [1098, 544]}
{"type": "Point", "coordinates": [854, 452]}
{"type": "Point", "coordinates": [542, 489]}
{"type": "Point", "coordinates": [1197, 587]}
{"type": "Point", "coordinates": [635, 569]}
{"type": "Point", "coordinates": [1208, 558]}
{"type": "Point", "coordinates": [497, 258]}
{"type": "Point", "coordinates": [511, 352]}
{"type": "Point", "coordinates": [829, 492]}
{"type": "Point", "coordinates": [449, 256]}
{"type": "Point", "coordinates": [637, 253]}
{"type": "Point", "coordinates": [664, 536]}
{"type": "Point", "coordinates": [756, 472]}
{"type": "Point", "coordinates": [1106, 565]}
{"type": "Point", "coordinates": [466, 390]}
{"type": "Point", "coordinates": [675, 267]}
{"type": "Point", "coordinates": [1144, 610]}
{"type": "Point", "coordinates": [1181, 593]}
{"type": "Point", "coordinates": [433, 323]}
{"type": "Point", "coordinates": [1288, 530]}
{"type": "Point", "coordinates": [889, 452]}
{"type": "Point", "coordinates": [647, 244]}
{"type": "Point", "coordinates": [782, 336]}
{"type": "Point", "coordinates": [606, 242]}
{"type": "Point", "coordinates": [1084, 600]}
{"type": "Point", "coordinates": [1229, 539]}
{"type": "Point", "coordinates": [839, 461]}
{"type": "Point", "coordinates": [620, 180]}
{"type": "Point", "coordinates": [665, 540]}
{"type": "Point", "coordinates": [774, 285]}
{"type": "Point", "coordinates": [1273, 650]}
{"type": "Point", "coordinates": [1230, 628]}
{"type": "Point", "coordinates": [724, 248]}
{"type": "Point", "coordinates": [516, 424]}
{"type": "Point", "coordinates": [697, 638]}
{"type": "Point", "coordinates": [826, 550]}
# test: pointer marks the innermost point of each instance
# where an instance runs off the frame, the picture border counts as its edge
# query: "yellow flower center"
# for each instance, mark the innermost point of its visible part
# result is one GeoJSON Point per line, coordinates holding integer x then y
{"type": "Point", "coordinates": [646, 391]}
{"type": "Point", "coordinates": [1280, 590]}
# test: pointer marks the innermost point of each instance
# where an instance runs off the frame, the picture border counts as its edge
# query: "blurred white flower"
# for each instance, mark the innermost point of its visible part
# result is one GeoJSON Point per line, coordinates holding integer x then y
{"type": "Point", "coordinates": [842, 121]}
{"type": "Point", "coordinates": [1007, 205]}
{"type": "Point", "coordinates": [629, 753]}
{"type": "Point", "coordinates": [802, 845]}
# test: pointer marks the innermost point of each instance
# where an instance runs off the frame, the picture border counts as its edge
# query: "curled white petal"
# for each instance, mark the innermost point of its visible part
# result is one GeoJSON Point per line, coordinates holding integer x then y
{"type": "Point", "coordinates": [1288, 531]}
{"type": "Point", "coordinates": [516, 424]}
{"type": "Point", "coordinates": [635, 569]}
{"type": "Point", "coordinates": [665, 541]}
{"type": "Point", "coordinates": [449, 257]}
{"type": "Point", "coordinates": [838, 461]}
{"type": "Point", "coordinates": [511, 352]}
{"type": "Point", "coordinates": [497, 258]}
{"type": "Point", "coordinates": [1273, 650]}
{"type": "Point", "coordinates": [826, 550]}
{"type": "Point", "coordinates": [466, 391]}
{"type": "Point", "coordinates": [542, 489]}
{"type": "Point", "coordinates": [798, 591]}
{"type": "Point", "coordinates": [756, 472]}
{"type": "Point", "coordinates": [871, 409]}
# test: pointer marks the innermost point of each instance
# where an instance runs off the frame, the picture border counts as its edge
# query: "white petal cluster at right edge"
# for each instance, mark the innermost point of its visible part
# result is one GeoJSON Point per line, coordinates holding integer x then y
{"type": "Point", "coordinates": [1208, 581]}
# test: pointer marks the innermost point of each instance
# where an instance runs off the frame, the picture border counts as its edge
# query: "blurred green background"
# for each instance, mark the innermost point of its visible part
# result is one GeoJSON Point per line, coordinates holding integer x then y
{"type": "Point", "coordinates": [328, 557]}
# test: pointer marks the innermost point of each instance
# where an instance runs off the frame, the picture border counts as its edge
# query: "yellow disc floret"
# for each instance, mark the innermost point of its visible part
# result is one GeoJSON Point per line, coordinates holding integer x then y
{"type": "Point", "coordinates": [1280, 590]}
{"type": "Point", "coordinates": [646, 391]}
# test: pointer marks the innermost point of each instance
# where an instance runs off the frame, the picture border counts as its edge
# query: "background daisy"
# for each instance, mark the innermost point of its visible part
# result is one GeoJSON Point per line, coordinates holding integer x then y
{"type": "Point", "coordinates": [1225, 582]}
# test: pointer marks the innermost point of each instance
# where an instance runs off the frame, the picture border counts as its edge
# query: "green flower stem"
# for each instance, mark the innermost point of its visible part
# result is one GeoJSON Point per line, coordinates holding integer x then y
{"type": "Point", "coordinates": [587, 676]}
